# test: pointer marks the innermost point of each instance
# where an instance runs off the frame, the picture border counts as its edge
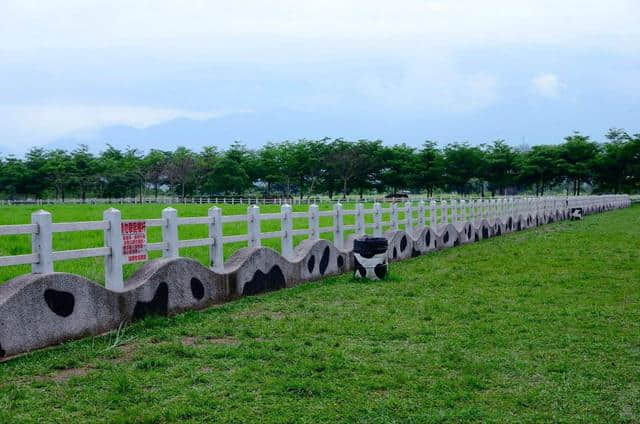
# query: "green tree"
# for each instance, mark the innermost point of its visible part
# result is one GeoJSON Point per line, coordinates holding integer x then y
{"type": "Point", "coordinates": [59, 170]}
{"type": "Point", "coordinates": [180, 170]}
{"type": "Point", "coordinates": [579, 155]}
{"type": "Point", "coordinates": [371, 154]}
{"type": "Point", "coordinates": [540, 166]}
{"type": "Point", "coordinates": [462, 163]}
{"type": "Point", "coordinates": [501, 166]}
{"type": "Point", "coordinates": [206, 164]}
{"type": "Point", "coordinates": [429, 171]}
{"type": "Point", "coordinates": [399, 163]}
{"type": "Point", "coordinates": [615, 165]}
{"type": "Point", "coordinates": [35, 176]}
{"type": "Point", "coordinates": [84, 168]}
{"type": "Point", "coordinates": [270, 165]}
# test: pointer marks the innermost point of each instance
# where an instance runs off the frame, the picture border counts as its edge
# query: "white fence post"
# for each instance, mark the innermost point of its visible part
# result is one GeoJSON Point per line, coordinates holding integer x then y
{"type": "Point", "coordinates": [286, 226]}
{"type": "Point", "coordinates": [314, 223]}
{"type": "Point", "coordinates": [421, 213]}
{"type": "Point", "coordinates": [454, 211]}
{"type": "Point", "coordinates": [113, 262]}
{"type": "Point", "coordinates": [432, 214]}
{"type": "Point", "coordinates": [443, 207]}
{"type": "Point", "coordinates": [394, 216]}
{"type": "Point", "coordinates": [41, 242]}
{"type": "Point", "coordinates": [253, 225]}
{"type": "Point", "coordinates": [408, 217]}
{"type": "Point", "coordinates": [170, 232]}
{"type": "Point", "coordinates": [360, 227]}
{"type": "Point", "coordinates": [463, 211]}
{"type": "Point", "coordinates": [338, 226]}
{"type": "Point", "coordinates": [216, 252]}
{"type": "Point", "coordinates": [377, 220]}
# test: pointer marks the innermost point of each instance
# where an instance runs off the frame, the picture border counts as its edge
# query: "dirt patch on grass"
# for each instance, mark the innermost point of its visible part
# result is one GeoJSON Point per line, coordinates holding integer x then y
{"type": "Point", "coordinates": [275, 315]}
{"type": "Point", "coordinates": [128, 350]}
{"type": "Point", "coordinates": [189, 341]}
{"type": "Point", "coordinates": [63, 375]}
{"type": "Point", "coordinates": [226, 340]}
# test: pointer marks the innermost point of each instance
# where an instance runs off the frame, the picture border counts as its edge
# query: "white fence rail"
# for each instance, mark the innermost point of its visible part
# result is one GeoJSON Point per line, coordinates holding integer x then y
{"type": "Point", "coordinates": [226, 200]}
{"type": "Point", "coordinates": [43, 256]}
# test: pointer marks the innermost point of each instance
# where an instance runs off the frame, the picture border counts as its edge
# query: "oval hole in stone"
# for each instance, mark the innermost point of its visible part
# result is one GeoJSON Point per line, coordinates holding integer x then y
{"type": "Point", "coordinates": [60, 302]}
{"type": "Point", "coordinates": [403, 243]}
{"type": "Point", "coordinates": [324, 260]}
{"type": "Point", "coordinates": [311, 264]}
{"type": "Point", "coordinates": [197, 288]}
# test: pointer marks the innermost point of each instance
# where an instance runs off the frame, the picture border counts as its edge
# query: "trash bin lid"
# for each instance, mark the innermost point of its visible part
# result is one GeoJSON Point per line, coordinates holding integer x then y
{"type": "Point", "coordinates": [367, 247]}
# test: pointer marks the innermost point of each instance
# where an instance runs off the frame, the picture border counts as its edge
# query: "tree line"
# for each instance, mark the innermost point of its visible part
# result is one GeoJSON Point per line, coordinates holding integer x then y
{"type": "Point", "coordinates": [333, 167]}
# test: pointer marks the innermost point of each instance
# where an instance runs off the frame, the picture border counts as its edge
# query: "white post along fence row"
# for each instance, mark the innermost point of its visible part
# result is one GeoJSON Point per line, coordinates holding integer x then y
{"type": "Point", "coordinates": [43, 256]}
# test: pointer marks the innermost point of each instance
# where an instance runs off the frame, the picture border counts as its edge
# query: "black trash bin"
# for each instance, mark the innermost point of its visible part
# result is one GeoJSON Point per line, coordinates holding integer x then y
{"type": "Point", "coordinates": [371, 257]}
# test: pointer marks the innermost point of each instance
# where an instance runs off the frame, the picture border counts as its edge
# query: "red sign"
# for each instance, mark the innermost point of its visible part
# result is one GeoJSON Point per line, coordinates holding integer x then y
{"type": "Point", "coordinates": [134, 235]}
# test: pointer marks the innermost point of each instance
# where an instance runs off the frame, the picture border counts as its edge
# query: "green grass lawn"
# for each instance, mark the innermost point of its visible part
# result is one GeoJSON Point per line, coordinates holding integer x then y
{"type": "Point", "coordinates": [537, 326]}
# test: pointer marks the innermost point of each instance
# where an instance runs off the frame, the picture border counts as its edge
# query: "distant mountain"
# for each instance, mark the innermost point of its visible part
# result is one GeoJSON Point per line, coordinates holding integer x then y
{"type": "Point", "coordinates": [253, 129]}
{"type": "Point", "coordinates": [257, 128]}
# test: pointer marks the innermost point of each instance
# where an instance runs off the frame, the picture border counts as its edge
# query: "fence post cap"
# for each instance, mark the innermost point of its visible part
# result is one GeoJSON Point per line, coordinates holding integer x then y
{"type": "Point", "coordinates": [169, 209]}
{"type": "Point", "coordinates": [41, 212]}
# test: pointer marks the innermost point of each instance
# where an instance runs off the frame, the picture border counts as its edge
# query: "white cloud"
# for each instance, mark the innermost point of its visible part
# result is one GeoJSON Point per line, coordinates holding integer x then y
{"type": "Point", "coordinates": [432, 85]}
{"type": "Point", "coordinates": [547, 85]}
{"type": "Point", "coordinates": [239, 26]}
{"type": "Point", "coordinates": [37, 124]}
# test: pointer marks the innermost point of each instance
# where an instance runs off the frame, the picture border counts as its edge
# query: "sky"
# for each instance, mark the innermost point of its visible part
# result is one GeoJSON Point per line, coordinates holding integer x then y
{"type": "Point", "coordinates": [161, 73]}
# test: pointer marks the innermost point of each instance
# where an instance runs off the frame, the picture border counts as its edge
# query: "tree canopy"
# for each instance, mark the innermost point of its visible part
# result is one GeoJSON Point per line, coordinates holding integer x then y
{"type": "Point", "coordinates": [335, 167]}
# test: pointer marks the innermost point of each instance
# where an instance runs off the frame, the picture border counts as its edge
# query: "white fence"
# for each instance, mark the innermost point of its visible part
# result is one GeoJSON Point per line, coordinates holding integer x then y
{"type": "Point", "coordinates": [207, 200]}
{"type": "Point", "coordinates": [43, 256]}
{"type": "Point", "coordinates": [200, 200]}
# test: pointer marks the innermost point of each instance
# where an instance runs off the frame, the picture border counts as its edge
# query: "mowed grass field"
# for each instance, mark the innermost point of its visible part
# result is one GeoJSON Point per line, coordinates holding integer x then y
{"type": "Point", "coordinates": [541, 325]}
{"type": "Point", "coordinates": [93, 268]}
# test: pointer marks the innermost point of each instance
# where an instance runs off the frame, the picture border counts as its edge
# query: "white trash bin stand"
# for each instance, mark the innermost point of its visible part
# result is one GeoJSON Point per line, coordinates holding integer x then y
{"type": "Point", "coordinates": [576, 214]}
{"type": "Point", "coordinates": [371, 257]}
